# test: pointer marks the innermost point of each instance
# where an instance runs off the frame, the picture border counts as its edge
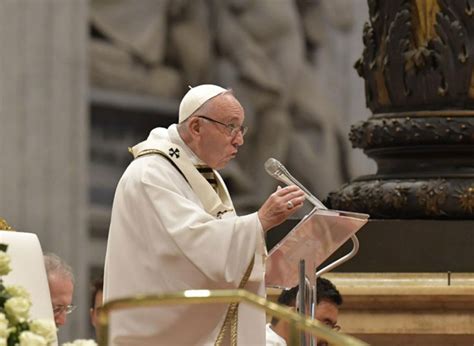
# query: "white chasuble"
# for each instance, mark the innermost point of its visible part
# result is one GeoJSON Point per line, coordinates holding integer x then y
{"type": "Point", "coordinates": [169, 233]}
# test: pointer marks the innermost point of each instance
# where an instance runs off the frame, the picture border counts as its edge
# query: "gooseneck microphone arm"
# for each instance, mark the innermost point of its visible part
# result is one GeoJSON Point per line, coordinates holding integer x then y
{"type": "Point", "coordinates": [279, 172]}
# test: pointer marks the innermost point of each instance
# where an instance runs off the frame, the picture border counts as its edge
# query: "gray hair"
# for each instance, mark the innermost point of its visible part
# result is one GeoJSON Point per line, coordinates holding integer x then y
{"type": "Point", "coordinates": [56, 265]}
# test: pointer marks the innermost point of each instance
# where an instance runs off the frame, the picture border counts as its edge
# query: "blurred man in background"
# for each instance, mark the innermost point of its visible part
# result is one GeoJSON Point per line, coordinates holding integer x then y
{"type": "Point", "coordinates": [61, 287]}
{"type": "Point", "coordinates": [96, 303]}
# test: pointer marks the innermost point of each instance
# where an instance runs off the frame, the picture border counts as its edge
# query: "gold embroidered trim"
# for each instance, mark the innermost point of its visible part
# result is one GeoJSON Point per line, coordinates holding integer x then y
{"type": "Point", "coordinates": [232, 316]}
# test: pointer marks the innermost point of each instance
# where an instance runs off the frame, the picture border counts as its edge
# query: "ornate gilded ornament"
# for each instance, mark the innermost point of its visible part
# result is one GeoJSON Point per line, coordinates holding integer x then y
{"type": "Point", "coordinates": [432, 195]}
{"type": "Point", "coordinates": [466, 198]}
{"type": "Point", "coordinates": [4, 225]}
{"type": "Point", "coordinates": [396, 197]}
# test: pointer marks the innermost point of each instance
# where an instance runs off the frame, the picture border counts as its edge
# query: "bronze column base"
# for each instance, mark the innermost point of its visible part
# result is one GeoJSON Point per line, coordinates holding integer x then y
{"type": "Point", "coordinates": [425, 167]}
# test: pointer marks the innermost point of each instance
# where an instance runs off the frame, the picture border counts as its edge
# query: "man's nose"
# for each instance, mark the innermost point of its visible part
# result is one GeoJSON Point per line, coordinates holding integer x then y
{"type": "Point", "coordinates": [238, 140]}
{"type": "Point", "coordinates": [60, 319]}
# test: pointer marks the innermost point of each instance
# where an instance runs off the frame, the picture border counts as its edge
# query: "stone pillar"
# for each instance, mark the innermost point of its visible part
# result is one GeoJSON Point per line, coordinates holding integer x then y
{"type": "Point", "coordinates": [419, 79]}
{"type": "Point", "coordinates": [44, 131]}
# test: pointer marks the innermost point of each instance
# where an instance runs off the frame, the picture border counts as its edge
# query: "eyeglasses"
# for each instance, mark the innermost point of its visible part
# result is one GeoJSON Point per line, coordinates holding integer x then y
{"type": "Point", "coordinates": [67, 309]}
{"type": "Point", "coordinates": [231, 128]}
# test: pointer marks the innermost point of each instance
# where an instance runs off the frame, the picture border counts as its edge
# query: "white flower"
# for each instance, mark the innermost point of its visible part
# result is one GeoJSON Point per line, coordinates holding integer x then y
{"type": "Point", "coordinates": [3, 327]}
{"type": "Point", "coordinates": [45, 328]}
{"type": "Point", "coordinates": [31, 339]}
{"type": "Point", "coordinates": [3, 342]}
{"type": "Point", "coordinates": [17, 309]}
{"type": "Point", "coordinates": [4, 263]}
{"type": "Point", "coordinates": [17, 291]}
{"type": "Point", "coordinates": [81, 342]}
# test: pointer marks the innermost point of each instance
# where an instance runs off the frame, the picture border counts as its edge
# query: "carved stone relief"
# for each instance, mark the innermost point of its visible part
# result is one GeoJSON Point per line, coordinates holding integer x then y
{"type": "Point", "coordinates": [265, 50]}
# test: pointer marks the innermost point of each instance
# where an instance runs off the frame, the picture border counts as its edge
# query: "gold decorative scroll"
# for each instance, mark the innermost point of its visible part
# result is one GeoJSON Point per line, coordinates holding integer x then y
{"type": "Point", "coordinates": [424, 18]}
{"type": "Point", "coordinates": [4, 226]}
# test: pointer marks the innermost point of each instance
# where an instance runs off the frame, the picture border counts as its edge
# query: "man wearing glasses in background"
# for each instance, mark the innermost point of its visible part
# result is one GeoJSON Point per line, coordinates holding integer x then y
{"type": "Point", "coordinates": [61, 287]}
{"type": "Point", "coordinates": [174, 228]}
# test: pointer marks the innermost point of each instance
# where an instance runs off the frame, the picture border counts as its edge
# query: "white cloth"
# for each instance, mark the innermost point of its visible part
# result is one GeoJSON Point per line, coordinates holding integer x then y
{"type": "Point", "coordinates": [272, 338]}
{"type": "Point", "coordinates": [28, 271]}
{"type": "Point", "coordinates": [161, 240]}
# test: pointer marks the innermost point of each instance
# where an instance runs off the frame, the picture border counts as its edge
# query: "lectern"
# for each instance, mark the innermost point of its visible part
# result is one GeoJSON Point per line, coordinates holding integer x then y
{"type": "Point", "coordinates": [307, 245]}
{"type": "Point", "coordinates": [313, 239]}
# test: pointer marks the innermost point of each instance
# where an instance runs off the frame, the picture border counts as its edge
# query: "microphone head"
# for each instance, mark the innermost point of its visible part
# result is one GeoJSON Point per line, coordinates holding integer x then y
{"type": "Point", "coordinates": [273, 167]}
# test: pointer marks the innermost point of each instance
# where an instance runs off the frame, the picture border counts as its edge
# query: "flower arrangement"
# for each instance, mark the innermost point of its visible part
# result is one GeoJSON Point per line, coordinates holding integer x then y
{"type": "Point", "coordinates": [16, 327]}
{"type": "Point", "coordinates": [15, 303]}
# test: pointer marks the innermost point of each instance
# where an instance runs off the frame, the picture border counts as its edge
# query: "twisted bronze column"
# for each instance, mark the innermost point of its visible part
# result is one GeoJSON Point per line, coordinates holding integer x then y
{"type": "Point", "coordinates": [417, 65]}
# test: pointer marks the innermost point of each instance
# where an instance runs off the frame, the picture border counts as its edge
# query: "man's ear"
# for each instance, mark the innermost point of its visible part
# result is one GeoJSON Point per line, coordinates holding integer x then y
{"type": "Point", "coordinates": [194, 126]}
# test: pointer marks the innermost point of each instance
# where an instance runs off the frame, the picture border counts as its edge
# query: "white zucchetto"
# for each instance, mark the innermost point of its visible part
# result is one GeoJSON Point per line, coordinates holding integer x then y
{"type": "Point", "coordinates": [196, 97]}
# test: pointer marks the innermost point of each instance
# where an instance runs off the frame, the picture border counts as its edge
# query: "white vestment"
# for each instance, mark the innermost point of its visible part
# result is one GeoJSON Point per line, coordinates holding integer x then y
{"type": "Point", "coordinates": [272, 338]}
{"type": "Point", "coordinates": [162, 240]}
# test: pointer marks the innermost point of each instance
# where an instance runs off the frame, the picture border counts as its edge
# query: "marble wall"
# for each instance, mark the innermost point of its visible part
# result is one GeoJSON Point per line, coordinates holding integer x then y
{"type": "Point", "coordinates": [44, 131]}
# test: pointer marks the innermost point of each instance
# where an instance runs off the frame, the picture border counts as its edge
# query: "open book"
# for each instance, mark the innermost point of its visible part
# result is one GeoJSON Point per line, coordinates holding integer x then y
{"type": "Point", "coordinates": [313, 239]}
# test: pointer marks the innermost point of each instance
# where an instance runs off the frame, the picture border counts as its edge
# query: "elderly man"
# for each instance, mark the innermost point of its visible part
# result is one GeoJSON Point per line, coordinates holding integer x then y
{"type": "Point", "coordinates": [61, 287]}
{"type": "Point", "coordinates": [174, 228]}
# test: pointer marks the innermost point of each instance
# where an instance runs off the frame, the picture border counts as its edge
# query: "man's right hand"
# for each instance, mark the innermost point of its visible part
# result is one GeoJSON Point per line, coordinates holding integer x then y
{"type": "Point", "coordinates": [281, 204]}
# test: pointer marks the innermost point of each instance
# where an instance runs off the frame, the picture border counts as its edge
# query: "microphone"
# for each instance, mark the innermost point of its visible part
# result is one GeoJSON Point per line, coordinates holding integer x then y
{"type": "Point", "coordinates": [279, 172]}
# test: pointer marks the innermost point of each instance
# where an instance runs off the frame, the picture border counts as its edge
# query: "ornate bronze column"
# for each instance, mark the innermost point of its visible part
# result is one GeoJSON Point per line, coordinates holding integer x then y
{"type": "Point", "coordinates": [417, 65]}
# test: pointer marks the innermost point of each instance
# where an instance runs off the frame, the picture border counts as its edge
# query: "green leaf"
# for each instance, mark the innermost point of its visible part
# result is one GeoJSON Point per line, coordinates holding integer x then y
{"type": "Point", "coordinates": [13, 338]}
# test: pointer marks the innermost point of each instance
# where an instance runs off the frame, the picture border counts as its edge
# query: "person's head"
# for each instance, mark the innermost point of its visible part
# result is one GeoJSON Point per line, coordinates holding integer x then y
{"type": "Point", "coordinates": [210, 123]}
{"type": "Point", "coordinates": [328, 300]}
{"type": "Point", "coordinates": [61, 287]}
{"type": "Point", "coordinates": [96, 302]}
{"type": "Point", "coordinates": [287, 298]}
